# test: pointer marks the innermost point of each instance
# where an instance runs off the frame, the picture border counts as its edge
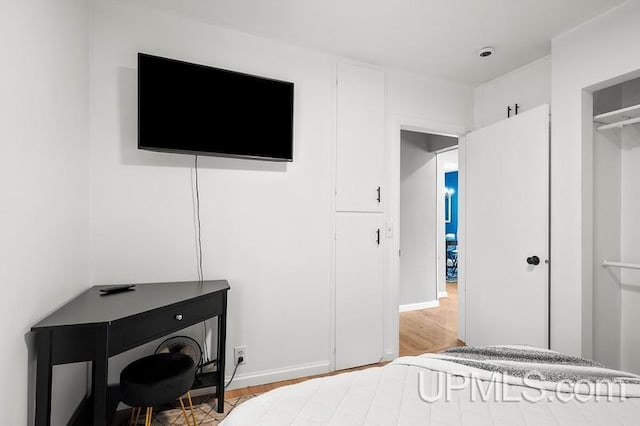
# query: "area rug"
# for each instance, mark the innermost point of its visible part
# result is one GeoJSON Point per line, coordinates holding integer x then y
{"type": "Point", "coordinates": [205, 412]}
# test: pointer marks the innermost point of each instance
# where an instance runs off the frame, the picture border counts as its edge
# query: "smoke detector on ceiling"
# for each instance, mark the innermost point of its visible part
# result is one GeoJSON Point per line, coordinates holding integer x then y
{"type": "Point", "coordinates": [486, 52]}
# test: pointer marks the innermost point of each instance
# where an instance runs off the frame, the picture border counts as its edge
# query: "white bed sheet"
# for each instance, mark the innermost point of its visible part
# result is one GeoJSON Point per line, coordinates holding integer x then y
{"type": "Point", "coordinates": [390, 395]}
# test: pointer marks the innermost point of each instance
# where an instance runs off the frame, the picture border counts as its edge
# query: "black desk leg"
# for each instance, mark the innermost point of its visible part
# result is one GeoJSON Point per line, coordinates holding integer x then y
{"type": "Point", "coordinates": [99, 375]}
{"type": "Point", "coordinates": [222, 338]}
{"type": "Point", "coordinates": [43, 378]}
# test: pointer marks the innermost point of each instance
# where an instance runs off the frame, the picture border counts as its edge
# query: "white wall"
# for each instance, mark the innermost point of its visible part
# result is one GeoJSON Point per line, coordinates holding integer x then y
{"type": "Point", "coordinates": [427, 103]}
{"type": "Point", "coordinates": [528, 86]}
{"type": "Point", "coordinates": [267, 227]}
{"type": "Point", "coordinates": [607, 216]}
{"type": "Point", "coordinates": [437, 143]}
{"type": "Point", "coordinates": [630, 248]}
{"type": "Point", "coordinates": [418, 216]}
{"type": "Point", "coordinates": [582, 58]}
{"type": "Point", "coordinates": [43, 180]}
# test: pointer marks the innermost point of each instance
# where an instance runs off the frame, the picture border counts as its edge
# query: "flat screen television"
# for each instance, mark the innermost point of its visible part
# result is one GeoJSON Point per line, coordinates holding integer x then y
{"type": "Point", "coordinates": [197, 109]}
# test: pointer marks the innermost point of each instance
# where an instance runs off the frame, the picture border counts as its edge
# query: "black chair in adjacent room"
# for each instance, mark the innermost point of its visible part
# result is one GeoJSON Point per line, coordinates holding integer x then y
{"type": "Point", "coordinates": [451, 258]}
{"type": "Point", "coordinates": [156, 380]}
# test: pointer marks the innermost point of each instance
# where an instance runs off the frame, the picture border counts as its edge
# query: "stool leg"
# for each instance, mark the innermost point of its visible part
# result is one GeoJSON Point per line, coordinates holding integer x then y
{"type": "Point", "coordinates": [184, 412]}
{"type": "Point", "coordinates": [135, 413]}
{"type": "Point", "coordinates": [193, 414]}
{"type": "Point", "coordinates": [148, 416]}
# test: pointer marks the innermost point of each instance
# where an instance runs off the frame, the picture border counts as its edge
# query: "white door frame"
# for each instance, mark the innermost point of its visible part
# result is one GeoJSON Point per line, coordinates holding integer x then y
{"type": "Point", "coordinates": [392, 267]}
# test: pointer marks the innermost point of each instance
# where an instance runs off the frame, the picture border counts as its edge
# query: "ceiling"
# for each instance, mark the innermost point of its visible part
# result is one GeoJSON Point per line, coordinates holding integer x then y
{"type": "Point", "coordinates": [438, 38]}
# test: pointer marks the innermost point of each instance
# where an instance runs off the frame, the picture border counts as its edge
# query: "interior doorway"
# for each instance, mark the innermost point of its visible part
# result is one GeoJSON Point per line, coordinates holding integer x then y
{"type": "Point", "coordinates": [427, 295]}
{"type": "Point", "coordinates": [448, 226]}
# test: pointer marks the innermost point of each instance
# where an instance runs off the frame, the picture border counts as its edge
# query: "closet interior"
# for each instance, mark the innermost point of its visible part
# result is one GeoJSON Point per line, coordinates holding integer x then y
{"type": "Point", "coordinates": [616, 225]}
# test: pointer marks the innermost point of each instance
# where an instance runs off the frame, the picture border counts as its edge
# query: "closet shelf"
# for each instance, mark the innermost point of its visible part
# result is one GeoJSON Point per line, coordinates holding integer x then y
{"type": "Point", "coordinates": [618, 118]}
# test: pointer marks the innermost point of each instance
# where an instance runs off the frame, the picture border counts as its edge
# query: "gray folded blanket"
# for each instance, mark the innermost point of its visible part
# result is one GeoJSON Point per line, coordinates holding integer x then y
{"type": "Point", "coordinates": [529, 367]}
{"type": "Point", "coordinates": [548, 364]}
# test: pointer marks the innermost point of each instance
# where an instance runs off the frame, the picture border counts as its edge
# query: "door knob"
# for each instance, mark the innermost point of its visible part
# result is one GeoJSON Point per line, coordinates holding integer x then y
{"type": "Point", "coordinates": [533, 260]}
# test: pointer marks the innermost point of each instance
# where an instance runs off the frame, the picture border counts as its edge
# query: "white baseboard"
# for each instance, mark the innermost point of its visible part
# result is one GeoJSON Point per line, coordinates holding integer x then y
{"type": "Point", "coordinates": [418, 306]}
{"type": "Point", "coordinates": [271, 376]}
{"type": "Point", "coordinates": [442, 294]}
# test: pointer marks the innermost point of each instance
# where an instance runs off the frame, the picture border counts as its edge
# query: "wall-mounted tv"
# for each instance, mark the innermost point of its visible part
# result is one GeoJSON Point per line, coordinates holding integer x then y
{"type": "Point", "coordinates": [197, 109]}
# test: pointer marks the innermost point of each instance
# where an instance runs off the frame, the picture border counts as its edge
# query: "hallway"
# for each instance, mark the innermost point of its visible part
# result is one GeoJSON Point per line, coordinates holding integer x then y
{"type": "Point", "coordinates": [431, 330]}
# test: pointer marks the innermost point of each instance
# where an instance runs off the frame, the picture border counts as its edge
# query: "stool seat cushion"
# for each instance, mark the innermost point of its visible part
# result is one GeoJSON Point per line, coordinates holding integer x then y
{"type": "Point", "coordinates": [157, 379]}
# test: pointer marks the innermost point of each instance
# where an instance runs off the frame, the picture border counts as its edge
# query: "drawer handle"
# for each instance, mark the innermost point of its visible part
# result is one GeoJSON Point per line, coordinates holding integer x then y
{"type": "Point", "coordinates": [179, 317]}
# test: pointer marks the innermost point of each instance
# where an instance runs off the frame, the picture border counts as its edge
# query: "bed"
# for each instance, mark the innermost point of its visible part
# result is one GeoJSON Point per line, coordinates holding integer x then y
{"type": "Point", "coordinates": [497, 385]}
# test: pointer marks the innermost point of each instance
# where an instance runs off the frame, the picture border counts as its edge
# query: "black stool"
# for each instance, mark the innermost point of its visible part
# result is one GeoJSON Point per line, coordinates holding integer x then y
{"type": "Point", "coordinates": [155, 380]}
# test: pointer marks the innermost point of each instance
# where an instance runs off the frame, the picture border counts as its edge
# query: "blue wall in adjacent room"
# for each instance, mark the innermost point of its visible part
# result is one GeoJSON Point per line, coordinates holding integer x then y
{"type": "Point", "coordinates": [451, 182]}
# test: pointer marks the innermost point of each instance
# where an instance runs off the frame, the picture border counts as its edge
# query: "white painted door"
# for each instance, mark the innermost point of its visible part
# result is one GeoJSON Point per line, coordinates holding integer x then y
{"type": "Point", "coordinates": [359, 289]}
{"type": "Point", "coordinates": [506, 202]}
{"type": "Point", "coordinates": [360, 139]}
{"type": "Point", "coordinates": [418, 225]}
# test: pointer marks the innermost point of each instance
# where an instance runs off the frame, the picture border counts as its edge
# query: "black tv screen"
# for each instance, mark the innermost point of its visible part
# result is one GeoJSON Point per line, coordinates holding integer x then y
{"type": "Point", "coordinates": [197, 109]}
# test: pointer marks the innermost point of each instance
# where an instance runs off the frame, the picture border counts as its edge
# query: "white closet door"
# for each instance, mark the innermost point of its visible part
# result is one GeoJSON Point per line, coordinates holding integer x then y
{"type": "Point", "coordinates": [506, 191]}
{"type": "Point", "coordinates": [360, 139]}
{"type": "Point", "coordinates": [359, 289]}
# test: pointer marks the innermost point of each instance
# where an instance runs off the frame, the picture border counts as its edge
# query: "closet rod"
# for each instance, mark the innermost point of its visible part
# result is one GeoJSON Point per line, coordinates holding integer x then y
{"type": "Point", "coordinates": [606, 263]}
{"type": "Point", "coordinates": [622, 123]}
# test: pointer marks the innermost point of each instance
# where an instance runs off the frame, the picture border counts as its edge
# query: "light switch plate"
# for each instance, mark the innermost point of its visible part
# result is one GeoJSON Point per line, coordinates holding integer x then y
{"type": "Point", "coordinates": [389, 230]}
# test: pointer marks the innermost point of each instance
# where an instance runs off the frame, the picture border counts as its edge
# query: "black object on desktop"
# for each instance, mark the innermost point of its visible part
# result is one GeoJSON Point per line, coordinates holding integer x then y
{"type": "Point", "coordinates": [113, 289]}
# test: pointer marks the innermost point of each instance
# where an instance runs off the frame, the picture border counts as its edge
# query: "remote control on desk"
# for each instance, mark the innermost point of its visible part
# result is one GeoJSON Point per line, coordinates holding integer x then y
{"type": "Point", "coordinates": [117, 289]}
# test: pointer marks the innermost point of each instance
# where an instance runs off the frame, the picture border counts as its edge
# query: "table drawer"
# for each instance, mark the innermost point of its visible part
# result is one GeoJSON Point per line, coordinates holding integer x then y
{"type": "Point", "coordinates": [130, 332]}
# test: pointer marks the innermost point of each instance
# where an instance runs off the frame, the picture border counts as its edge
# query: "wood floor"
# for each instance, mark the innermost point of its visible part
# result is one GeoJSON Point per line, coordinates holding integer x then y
{"type": "Point", "coordinates": [252, 390]}
{"type": "Point", "coordinates": [431, 330]}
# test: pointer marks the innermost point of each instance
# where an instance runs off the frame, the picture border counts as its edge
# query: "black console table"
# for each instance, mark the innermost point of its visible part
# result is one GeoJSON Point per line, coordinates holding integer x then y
{"type": "Point", "coordinates": [93, 327]}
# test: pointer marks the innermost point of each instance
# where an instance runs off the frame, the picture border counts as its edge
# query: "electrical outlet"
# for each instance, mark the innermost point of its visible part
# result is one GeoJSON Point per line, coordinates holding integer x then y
{"type": "Point", "coordinates": [240, 351]}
